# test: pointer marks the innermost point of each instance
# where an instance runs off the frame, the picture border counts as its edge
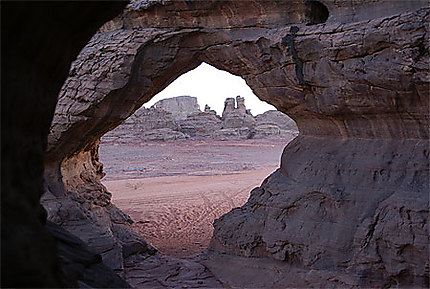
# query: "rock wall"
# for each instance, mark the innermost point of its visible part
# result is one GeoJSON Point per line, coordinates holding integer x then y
{"type": "Point", "coordinates": [276, 118]}
{"type": "Point", "coordinates": [38, 44]}
{"type": "Point", "coordinates": [342, 212]}
{"type": "Point", "coordinates": [86, 211]}
{"type": "Point", "coordinates": [201, 124]}
{"type": "Point", "coordinates": [351, 193]}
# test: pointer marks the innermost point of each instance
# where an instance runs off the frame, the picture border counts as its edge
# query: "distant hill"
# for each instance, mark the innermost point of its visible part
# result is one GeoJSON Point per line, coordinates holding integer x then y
{"type": "Point", "coordinates": [180, 118]}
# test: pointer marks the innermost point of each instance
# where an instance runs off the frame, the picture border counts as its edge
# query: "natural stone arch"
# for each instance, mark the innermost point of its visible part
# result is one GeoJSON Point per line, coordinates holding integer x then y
{"type": "Point", "coordinates": [121, 69]}
{"type": "Point", "coordinates": [334, 82]}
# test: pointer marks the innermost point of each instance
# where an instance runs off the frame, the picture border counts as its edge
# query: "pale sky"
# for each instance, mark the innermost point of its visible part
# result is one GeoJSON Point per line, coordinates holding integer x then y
{"type": "Point", "coordinates": [212, 86]}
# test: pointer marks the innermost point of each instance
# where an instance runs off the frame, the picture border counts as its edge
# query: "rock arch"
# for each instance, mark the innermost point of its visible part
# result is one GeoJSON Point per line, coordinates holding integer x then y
{"type": "Point", "coordinates": [356, 87]}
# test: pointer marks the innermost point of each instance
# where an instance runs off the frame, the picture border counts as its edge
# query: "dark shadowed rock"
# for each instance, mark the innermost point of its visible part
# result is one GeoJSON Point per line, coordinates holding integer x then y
{"type": "Point", "coordinates": [85, 209]}
{"type": "Point", "coordinates": [80, 266]}
{"type": "Point", "coordinates": [161, 271]}
{"type": "Point", "coordinates": [39, 41]}
{"type": "Point", "coordinates": [336, 221]}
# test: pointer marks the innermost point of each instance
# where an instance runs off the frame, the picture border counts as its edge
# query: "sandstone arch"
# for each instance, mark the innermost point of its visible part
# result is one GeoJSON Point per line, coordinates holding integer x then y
{"type": "Point", "coordinates": [357, 87]}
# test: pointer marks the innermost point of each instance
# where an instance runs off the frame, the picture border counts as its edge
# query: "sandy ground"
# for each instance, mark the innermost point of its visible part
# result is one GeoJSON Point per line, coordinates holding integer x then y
{"type": "Point", "coordinates": [175, 190]}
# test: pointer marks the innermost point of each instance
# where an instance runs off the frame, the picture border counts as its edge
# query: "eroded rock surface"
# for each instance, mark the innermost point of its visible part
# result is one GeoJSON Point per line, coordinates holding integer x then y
{"type": "Point", "coordinates": [180, 118]}
{"type": "Point", "coordinates": [161, 271]}
{"type": "Point", "coordinates": [180, 106]}
{"type": "Point", "coordinates": [334, 220]}
{"type": "Point", "coordinates": [80, 263]}
{"type": "Point", "coordinates": [87, 212]}
{"type": "Point", "coordinates": [201, 124]}
{"type": "Point", "coordinates": [351, 194]}
{"type": "Point", "coordinates": [145, 124]}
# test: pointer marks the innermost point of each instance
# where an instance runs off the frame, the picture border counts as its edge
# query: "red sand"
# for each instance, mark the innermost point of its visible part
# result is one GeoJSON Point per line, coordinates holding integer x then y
{"type": "Point", "coordinates": [199, 182]}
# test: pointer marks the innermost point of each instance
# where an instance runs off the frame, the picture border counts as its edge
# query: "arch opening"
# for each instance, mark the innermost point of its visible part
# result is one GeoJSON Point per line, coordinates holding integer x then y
{"type": "Point", "coordinates": [175, 168]}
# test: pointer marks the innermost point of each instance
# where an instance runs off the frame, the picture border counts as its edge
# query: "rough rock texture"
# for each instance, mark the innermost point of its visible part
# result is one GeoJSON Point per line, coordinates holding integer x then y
{"type": "Point", "coordinates": [201, 124]}
{"type": "Point", "coordinates": [351, 194]}
{"type": "Point", "coordinates": [143, 120]}
{"type": "Point", "coordinates": [237, 116]}
{"type": "Point", "coordinates": [168, 119]}
{"type": "Point", "coordinates": [162, 134]}
{"type": "Point", "coordinates": [38, 44]}
{"type": "Point", "coordinates": [160, 271]}
{"type": "Point", "coordinates": [180, 118]}
{"type": "Point", "coordinates": [273, 123]}
{"type": "Point", "coordinates": [180, 106]}
{"type": "Point", "coordinates": [87, 212]}
{"type": "Point", "coordinates": [79, 263]}
{"type": "Point", "coordinates": [333, 219]}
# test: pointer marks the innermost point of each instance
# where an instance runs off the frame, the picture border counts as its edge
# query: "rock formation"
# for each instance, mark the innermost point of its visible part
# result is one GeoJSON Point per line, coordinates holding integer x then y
{"type": "Point", "coordinates": [275, 118]}
{"type": "Point", "coordinates": [180, 118]}
{"type": "Point", "coordinates": [200, 124]}
{"type": "Point", "coordinates": [237, 116]}
{"type": "Point", "coordinates": [348, 205]}
{"type": "Point", "coordinates": [146, 124]}
{"type": "Point", "coordinates": [208, 109]}
{"type": "Point", "coordinates": [180, 106]}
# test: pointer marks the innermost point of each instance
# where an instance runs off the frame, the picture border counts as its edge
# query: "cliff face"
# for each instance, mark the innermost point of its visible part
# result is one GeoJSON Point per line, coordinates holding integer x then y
{"type": "Point", "coordinates": [180, 106]}
{"type": "Point", "coordinates": [351, 193]}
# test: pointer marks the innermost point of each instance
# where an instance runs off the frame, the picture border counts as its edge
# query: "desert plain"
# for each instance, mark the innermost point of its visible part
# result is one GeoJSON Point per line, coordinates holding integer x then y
{"type": "Point", "coordinates": [174, 190]}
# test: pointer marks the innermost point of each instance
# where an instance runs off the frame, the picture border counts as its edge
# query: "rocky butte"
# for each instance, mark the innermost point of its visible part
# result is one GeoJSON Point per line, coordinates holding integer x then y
{"type": "Point", "coordinates": [348, 206]}
{"type": "Point", "coordinates": [181, 118]}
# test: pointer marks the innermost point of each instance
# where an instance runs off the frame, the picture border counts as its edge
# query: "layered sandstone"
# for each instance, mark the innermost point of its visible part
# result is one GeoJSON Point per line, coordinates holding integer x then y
{"type": "Point", "coordinates": [145, 124]}
{"type": "Point", "coordinates": [181, 118]}
{"type": "Point", "coordinates": [180, 106]}
{"type": "Point", "coordinates": [351, 194]}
